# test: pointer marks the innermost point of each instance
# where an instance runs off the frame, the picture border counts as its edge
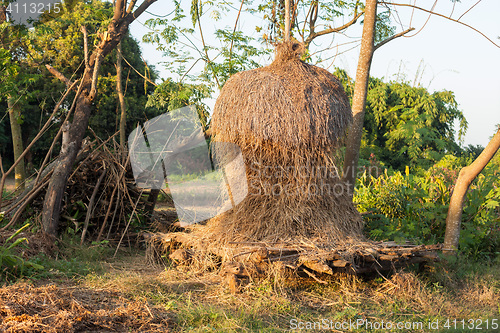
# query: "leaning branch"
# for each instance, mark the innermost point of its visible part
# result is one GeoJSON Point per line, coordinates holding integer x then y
{"type": "Point", "coordinates": [59, 75]}
{"type": "Point", "coordinates": [456, 206]}
{"type": "Point", "coordinates": [443, 16]}
{"type": "Point", "coordinates": [139, 73]}
{"type": "Point", "coordinates": [83, 29]}
{"type": "Point", "coordinates": [131, 6]}
{"type": "Point", "coordinates": [131, 17]}
{"type": "Point", "coordinates": [387, 40]}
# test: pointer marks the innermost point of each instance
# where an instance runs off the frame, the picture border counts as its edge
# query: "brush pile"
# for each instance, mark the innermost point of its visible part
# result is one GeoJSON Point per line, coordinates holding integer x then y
{"type": "Point", "coordinates": [100, 197]}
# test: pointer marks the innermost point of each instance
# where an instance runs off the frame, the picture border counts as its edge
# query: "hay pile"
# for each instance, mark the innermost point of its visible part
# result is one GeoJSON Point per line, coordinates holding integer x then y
{"type": "Point", "coordinates": [288, 119]}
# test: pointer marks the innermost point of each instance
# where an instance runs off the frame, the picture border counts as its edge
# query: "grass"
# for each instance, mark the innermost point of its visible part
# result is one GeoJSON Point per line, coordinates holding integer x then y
{"type": "Point", "coordinates": [195, 302]}
{"type": "Point", "coordinates": [454, 290]}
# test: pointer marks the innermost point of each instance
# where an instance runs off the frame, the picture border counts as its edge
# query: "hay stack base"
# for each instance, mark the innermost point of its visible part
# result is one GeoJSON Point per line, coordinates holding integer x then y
{"type": "Point", "coordinates": [242, 260]}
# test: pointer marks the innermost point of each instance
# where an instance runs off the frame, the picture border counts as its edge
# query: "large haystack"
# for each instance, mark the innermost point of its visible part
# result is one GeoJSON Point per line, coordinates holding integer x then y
{"type": "Point", "coordinates": [288, 118]}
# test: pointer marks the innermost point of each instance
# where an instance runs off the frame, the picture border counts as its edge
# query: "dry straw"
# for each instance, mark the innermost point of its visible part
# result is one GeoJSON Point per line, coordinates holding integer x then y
{"type": "Point", "coordinates": [289, 119]}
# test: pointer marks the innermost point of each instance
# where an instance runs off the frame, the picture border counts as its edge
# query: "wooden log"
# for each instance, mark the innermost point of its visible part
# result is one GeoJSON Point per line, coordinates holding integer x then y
{"type": "Point", "coordinates": [389, 257]}
{"type": "Point", "coordinates": [316, 265]}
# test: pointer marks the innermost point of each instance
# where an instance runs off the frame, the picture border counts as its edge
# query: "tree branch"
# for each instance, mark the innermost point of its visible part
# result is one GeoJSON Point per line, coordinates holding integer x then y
{"type": "Point", "coordinates": [131, 6]}
{"type": "Point", "coordinates": [139, 73]}
{"type": "Point", "coordinates": [37, 137]}
{"type": "Point", "coordinates": [314, 16]}
{"type": "Point", "coordinates": [387, 40]}
{"type": "Point", "coordinates": [287, 21]}
{"type": "Point", "coordinates": [234, 31]}
{"type": "Point", "coordinates": [83, 29]}
{"type": "Point", "coordinates": [95, 75]}
{"type": "Point", "coordinates": [456, 206]}
{"type": "Point", "coordinates": [118, 10]}
{"type": "Point", "coordinates": [443, 16]}
{"type": "Point", "coordinates": [131, 17]}
{"type": "Point", "coordinates": [59, 75]}
{"type": "Point", "coordinates": [313, 34]}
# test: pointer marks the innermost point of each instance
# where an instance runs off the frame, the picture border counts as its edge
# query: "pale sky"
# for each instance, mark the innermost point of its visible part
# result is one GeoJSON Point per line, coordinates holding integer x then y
{"type": "Point", "coordinates": [447, 55]}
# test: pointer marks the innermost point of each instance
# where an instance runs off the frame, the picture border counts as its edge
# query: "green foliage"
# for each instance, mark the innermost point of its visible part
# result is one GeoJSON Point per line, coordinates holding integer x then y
{"type": "Point", "coordinates": [413, 206]}
{"type": "Point", "coordinates": [237, 55]}
{"type": "Point", "coordinates": [59, 42]}
{"type": "Point", "coordinates": [73, 260]}
{"type": "Point", "coordinates": [401, 207]}
{"type": "Point", "coordinates": [407, 125]}
{"type": "Point", "coordinates": [170, 95]}
{"type": "Point", "coordinates": [233, 52]}
{"type": "Point", "coordinates": [11, 264]}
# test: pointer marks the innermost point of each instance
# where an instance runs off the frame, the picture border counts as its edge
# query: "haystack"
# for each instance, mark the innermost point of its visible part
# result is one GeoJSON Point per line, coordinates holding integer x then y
{"type": "Point", "coordinates": [288, 119]}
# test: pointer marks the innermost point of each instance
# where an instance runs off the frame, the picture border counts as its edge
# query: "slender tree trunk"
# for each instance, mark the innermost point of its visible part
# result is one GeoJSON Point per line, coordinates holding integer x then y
{"type": "Point", "coordinates": [17, 141]}
{"type": "Point", "coordinates": [121, 99]}
{"type": "Point", "coordinates": [465, 178]}
{"type": "Point", "coordinates": [287, 20]}
{"type": "Point", "coordinates": [117, 28]}
{"type": "Point", "coordinates": [359, 98]}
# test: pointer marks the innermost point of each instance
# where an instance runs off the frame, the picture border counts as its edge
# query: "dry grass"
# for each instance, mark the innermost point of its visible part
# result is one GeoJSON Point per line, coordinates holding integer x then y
{"type": "Point", "coordinates": [50, 308]}
{"type": "Point", "coordinates": [131, 295]}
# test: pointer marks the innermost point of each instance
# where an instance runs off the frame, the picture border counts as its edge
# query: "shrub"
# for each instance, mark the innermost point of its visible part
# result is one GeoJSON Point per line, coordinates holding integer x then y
{"type": "Point", "coordinates": [11, 264]}
{"type": "Point", "coordinates": [403, 206]}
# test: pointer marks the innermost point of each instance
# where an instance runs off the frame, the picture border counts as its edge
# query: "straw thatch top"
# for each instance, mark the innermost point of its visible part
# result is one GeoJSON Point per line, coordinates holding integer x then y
{"type": "Point", "coordinates": [289, 102]}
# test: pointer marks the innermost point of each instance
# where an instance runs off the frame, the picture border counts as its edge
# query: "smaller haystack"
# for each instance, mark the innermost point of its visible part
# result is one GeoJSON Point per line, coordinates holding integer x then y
{"type": "Point", "coordinates": [288, 119]}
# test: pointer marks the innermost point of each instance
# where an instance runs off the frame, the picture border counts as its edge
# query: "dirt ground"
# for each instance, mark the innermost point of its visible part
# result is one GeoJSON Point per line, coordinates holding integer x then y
{"type": "Point", "coordinates": [128, 295]}
{"type": "Point", "coordinates": [9, 184]}
{"type": "Point", "coordinates": [72, 306]}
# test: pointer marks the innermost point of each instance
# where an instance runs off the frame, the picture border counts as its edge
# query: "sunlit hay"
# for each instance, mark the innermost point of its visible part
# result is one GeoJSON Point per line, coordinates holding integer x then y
{"type": "Point", "coordinates": [348, 284]}
{"type": "Point", "coordinates": [26, 308]}
{"type": "Point", "coordinates": [482, 291]}
{"type": "Point", "coordinates": [156, 250]}
{"type": "Point", "coordinates": [288, 119]}
{"type": "Point", "coordinates": [406, 285]}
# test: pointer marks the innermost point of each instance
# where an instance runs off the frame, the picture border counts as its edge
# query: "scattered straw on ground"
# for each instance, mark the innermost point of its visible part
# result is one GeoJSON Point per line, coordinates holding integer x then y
{"type": "Point", "coordinates": [50, 308]}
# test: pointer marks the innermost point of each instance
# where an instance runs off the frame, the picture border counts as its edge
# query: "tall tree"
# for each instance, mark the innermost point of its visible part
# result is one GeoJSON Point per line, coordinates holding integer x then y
{"type": "Point", "coordinates": [359, 98]}
{"type": "Point", "coordinates": [123, 16]}
{"type": "Point", "coordinates": [121, 100]}
{"type": "Point", "coordinates": [14, 78]}
{"type": "Point", "coordinates": [465, 178]}
{"type": "Point", "coordinates": [17, 140]}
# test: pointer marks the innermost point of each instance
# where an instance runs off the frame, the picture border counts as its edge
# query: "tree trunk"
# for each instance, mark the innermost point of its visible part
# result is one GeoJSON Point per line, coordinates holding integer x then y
{"type": "Point", "coordinates": [57, 184]}
{"type": "Point", "coordinates": [117, 28]}
{"type": "Point", "coordinates": [121, 99]}
{"type": "Point", "coordinates": [359, 98]}
{"type": "Point", "coordinates": [17, 141]}
{"type": "Point", "coordinates": [465, 178]}
{"type": "Point", "coordinates": [287, 21]}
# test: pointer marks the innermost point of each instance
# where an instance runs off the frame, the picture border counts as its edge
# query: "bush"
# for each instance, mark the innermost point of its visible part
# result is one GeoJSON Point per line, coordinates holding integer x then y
{"type": "Point", "coordinates": [403, 206]}
{"type": "Point", "coordinates": [11, 264]}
